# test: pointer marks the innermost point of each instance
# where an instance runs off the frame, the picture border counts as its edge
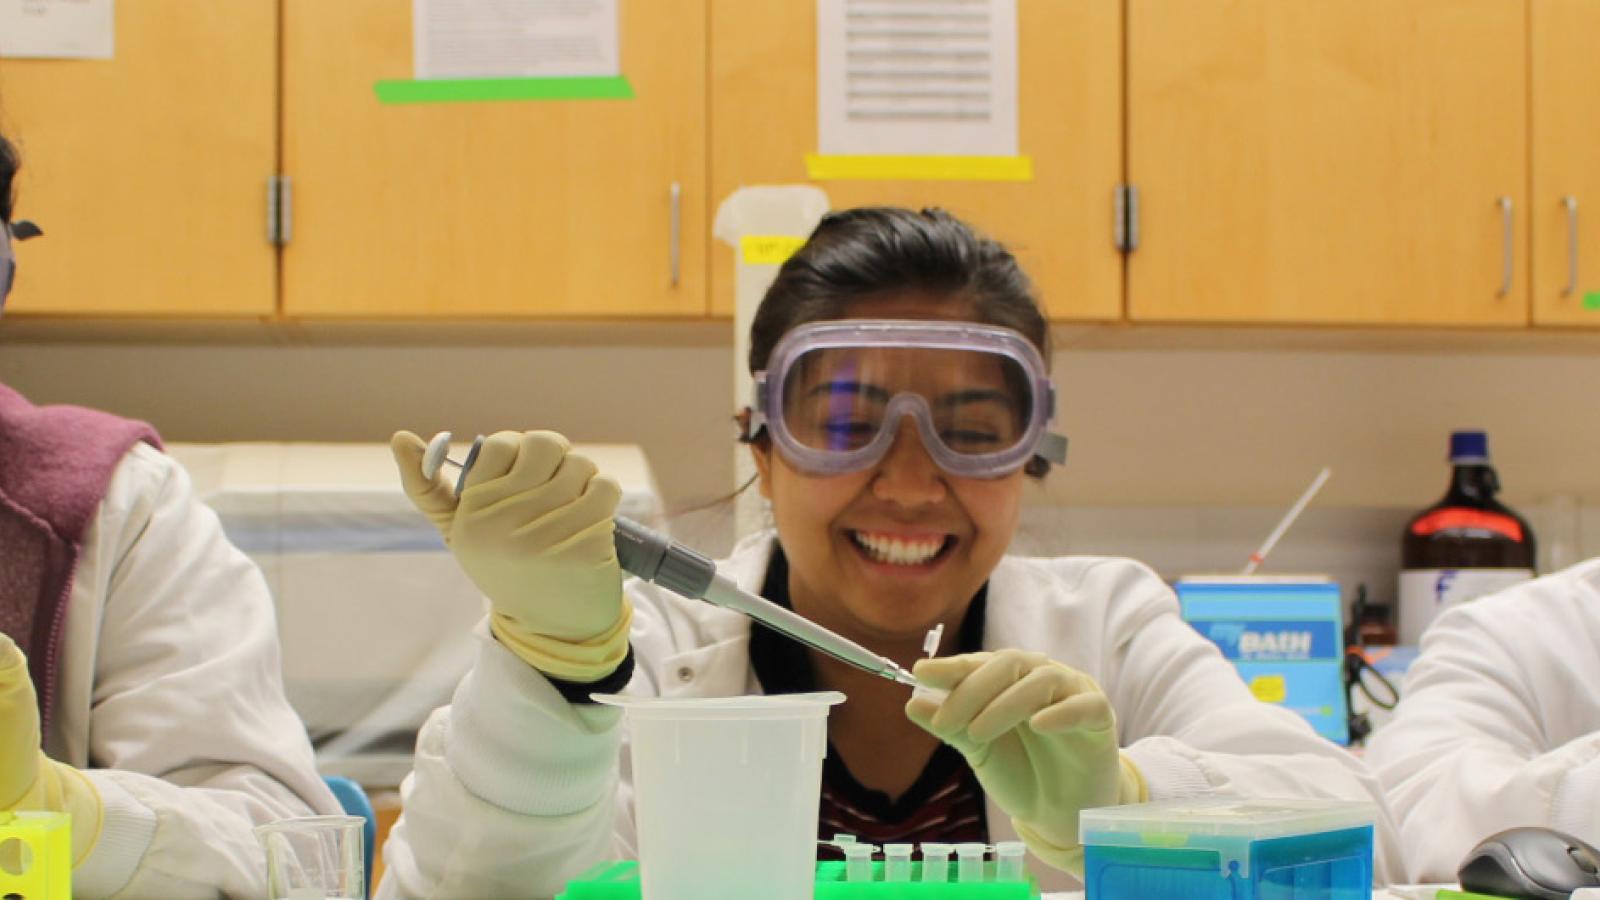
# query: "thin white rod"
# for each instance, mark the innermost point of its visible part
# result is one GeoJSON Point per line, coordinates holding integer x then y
{"type": "Point", "coordinates": [1257, 557]}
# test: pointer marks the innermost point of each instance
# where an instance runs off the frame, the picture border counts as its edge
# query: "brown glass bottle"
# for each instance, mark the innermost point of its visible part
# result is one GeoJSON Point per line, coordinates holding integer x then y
{"type": "Point", "coordinates": [1464, 546]}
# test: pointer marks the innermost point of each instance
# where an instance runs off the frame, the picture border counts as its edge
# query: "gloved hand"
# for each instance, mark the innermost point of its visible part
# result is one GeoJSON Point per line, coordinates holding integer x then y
{"type": "Point", "coordinates": [433, 497]}
{"type": "Point", "coordinates": [1040, 736]}
{"type": "Point", "coordinates": [533, 530]}
{"type": "Point", "coordinates": [29, 780]}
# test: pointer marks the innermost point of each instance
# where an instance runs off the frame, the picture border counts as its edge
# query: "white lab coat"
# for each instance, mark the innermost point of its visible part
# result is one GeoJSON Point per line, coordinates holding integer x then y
{"type": "Point", "coordinates": [1500, 722]}
{"type": "Point", "coordinates": [515, 790]}
{"type": "Point", "coordinates": [171, 697]}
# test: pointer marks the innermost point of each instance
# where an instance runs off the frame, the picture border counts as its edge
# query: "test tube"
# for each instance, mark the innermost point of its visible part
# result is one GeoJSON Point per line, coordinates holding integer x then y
{"type": "Point", "coordinates": [857, 861]}
{"type": "Point", "coordinates": [935, 861]}
{"type": "Point", "coordinates": [969, 861]}
{"type": "Point", "coordinates": [1008, 860]}
{"type": "Point", "coordinates": [896, 862]}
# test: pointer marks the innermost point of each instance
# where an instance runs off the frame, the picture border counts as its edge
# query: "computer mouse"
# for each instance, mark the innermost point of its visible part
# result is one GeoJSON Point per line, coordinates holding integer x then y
{"type": "Point", "coordinates": [1530, 864]}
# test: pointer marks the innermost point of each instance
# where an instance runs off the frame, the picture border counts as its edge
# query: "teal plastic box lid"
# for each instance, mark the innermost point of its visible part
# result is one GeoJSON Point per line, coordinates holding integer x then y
{"type": "Point", "coordinates": [1225, 825]}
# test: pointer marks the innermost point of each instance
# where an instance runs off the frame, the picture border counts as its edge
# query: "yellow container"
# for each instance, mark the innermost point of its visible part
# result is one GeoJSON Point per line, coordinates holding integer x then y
{"type": "Point", "coordinates": [36, 855]}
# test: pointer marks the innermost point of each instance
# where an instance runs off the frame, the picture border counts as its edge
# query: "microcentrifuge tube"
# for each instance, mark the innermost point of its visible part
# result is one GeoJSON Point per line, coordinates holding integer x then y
{"type": "Point", "coordinates": [896, 862]}
{"type": "Point", "coordinates": [857, 861]}
{"type": "Point", "coordinates": [969, 861]}
{"type": "Point", "coordinates": [935, 861]}
{"type": "Point", "coordinates": [930, 646]}
{"type": "Point", "coordinates": [1008, 860]}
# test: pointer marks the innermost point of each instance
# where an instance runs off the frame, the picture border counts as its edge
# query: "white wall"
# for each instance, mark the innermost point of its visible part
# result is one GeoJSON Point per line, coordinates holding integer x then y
{"type": "Point", "coordinates": [1205, 446]}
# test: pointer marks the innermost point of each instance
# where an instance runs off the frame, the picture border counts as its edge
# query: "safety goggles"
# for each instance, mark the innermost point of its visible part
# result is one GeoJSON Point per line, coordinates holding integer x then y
{"type": "Point", "coordinates": [833, 394]}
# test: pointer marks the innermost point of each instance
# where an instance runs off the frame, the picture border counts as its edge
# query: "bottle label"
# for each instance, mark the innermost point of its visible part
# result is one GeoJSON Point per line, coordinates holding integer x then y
{"type": "Point", "coordinates": [1424, 593]}
{"type": "Point", "coordinates": [1459, 518]}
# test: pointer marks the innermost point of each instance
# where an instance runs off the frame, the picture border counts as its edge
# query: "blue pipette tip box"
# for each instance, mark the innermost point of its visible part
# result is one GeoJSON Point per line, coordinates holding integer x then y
{"type": "Point", "coordinates": [1227, 848]}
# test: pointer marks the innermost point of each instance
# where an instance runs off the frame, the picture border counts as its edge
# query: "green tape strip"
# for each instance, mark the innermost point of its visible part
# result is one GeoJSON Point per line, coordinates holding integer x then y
{"type": "Point", "coordinates": [1591, 300]}
{"type": "Point", "coordinates": [467, 90]}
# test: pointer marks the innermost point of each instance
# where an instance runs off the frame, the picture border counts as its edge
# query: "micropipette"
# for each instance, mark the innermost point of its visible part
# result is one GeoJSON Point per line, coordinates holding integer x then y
{"type": "Point", "coordinates": [659, 559]}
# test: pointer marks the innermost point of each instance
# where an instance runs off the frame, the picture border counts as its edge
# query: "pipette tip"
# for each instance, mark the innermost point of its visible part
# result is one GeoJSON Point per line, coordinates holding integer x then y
{"type": "Point", "coordinates": [900, 675]}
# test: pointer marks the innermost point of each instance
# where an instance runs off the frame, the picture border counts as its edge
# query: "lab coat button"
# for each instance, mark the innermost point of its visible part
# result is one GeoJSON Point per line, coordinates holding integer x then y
{"type": "Point", "coordinates": [685, 674]}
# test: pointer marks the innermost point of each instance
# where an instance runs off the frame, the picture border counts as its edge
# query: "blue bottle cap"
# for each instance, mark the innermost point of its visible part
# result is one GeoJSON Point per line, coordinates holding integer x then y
{"type": "Point", "coordinates": [1469, 447]}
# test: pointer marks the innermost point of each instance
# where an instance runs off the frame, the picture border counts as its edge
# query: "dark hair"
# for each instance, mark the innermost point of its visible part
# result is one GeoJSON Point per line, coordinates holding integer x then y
{"type": "Point", "coordinates": [870, 252]}
{"type": "Point", "coordinates": [10, 162]}
{"type": "Point", "coordinates": [858, 254]}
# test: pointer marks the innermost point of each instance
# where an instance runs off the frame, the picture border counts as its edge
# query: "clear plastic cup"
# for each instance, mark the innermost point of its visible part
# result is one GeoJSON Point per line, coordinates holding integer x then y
{"type": "Point", "coordinates": [726, 793]}
{"type": "Point", "coordinates": [314, 858]}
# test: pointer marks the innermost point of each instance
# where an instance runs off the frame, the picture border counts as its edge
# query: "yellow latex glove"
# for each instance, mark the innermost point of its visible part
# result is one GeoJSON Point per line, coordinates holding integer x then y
{"type": "Point", "coordinates": [29, 780]}
{"type": "Point", "coordinates": [433, 497]}
{"type": "Point", "coordinates": [1040, 736]}
{"type": "Point", "coordinates": [533, 530]}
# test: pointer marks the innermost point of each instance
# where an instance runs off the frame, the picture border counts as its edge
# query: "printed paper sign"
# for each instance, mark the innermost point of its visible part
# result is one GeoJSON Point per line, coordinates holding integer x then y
{"type": "Point", "coordinates": [514, 38]}
{"type": "Point", "coordinates": [917, 77]}
{"type": "Point", "coordinates": [57, 29]}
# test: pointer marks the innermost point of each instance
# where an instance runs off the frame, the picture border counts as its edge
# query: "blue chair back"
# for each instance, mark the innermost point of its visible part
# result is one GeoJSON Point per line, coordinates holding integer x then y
{"type": "Point", "coordinates": [354, 801]}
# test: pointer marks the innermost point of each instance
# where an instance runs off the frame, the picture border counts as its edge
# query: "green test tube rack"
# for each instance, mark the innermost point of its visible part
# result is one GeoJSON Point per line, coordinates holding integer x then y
{"type": "Point", "coordinates": [620, 881]}
{"type": "Point", "coordinates": [36, 855]}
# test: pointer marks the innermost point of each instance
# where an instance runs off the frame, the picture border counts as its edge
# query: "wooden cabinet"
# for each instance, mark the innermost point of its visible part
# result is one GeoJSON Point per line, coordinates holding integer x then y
{"type": "Point", "coordinates": [764, 122]}
{"type": "Point", "coordinates": [1346, 161]}
{"type": "Point", "coordinates": [148, 171]}
{"type": "Point", "coordinates": [1566, 162]}
{"type": "Point", "coordinates": [1352, 162]}
{"type": "Point", "coordinates": [497, 209]}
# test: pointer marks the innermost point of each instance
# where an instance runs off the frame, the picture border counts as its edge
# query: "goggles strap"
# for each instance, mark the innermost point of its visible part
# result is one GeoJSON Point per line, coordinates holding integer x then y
{"type": "Point", "coordinates": [1052, 447]}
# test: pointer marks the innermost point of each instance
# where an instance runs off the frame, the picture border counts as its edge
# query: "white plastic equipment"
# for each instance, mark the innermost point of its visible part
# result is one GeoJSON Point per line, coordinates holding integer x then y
{"type": "Point", "coordinates": [375, 616]}
{"type": "Point", "coordinates": [725, 793]}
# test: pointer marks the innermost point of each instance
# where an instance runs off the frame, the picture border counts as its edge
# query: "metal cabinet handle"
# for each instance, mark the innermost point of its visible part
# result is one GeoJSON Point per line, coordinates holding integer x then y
{"type": "Point", "coordinates": [675, 235]}
{"type": "Point", "coordinates": [1508, 257]}
{"type": "Point", "coordinates": [1571, 203]}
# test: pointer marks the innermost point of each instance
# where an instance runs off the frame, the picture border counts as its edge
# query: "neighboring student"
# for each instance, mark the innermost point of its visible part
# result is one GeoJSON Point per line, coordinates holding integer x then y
{"type": "Point", "coordinates": [150, 703]}
{"type": "Point", "coordinates": [901, 361]}
{"type": "Point", "coordinates": [1499, 724]}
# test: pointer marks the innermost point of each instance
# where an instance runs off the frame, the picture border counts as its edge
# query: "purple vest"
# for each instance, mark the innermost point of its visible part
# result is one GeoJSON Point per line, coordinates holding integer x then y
{"type": "Point", "coordinates": [56, 463]}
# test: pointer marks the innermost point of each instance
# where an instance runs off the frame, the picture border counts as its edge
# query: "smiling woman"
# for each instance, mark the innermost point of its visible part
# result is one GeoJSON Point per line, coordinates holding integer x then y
{"type": "Point", "coordinates": [902, 403]}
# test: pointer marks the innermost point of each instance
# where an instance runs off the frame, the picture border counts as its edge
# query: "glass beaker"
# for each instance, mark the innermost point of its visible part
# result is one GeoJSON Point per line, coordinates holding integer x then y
{"type": "Point", "coordinates": [314, 858]}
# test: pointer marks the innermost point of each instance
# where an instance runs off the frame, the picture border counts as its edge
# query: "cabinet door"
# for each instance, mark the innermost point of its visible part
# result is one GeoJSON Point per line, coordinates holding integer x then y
{"type": "Point", "coordinates": [1339, 161]}
{"type": "Point", "coordinates": [764, 122]}
{"type": "Point", "coordinates": [148, 171]}
{"type": "Point", "coordinates": [1566, 162]}
{"type": "Point", "coordinates": [542, 208]}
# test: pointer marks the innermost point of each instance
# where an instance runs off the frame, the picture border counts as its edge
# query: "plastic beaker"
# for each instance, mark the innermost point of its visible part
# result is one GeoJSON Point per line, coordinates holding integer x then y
{"type": "Point", "coordinates": [726, 793]}
{"type": "Point", "coordinates": [314, 858]}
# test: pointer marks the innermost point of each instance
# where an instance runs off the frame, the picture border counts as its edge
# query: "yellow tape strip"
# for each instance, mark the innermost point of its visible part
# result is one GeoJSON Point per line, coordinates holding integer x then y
{"type": "Point", "coordinates": [768, 249]}
{"type": "Point", "coordinates": [919, 168]}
